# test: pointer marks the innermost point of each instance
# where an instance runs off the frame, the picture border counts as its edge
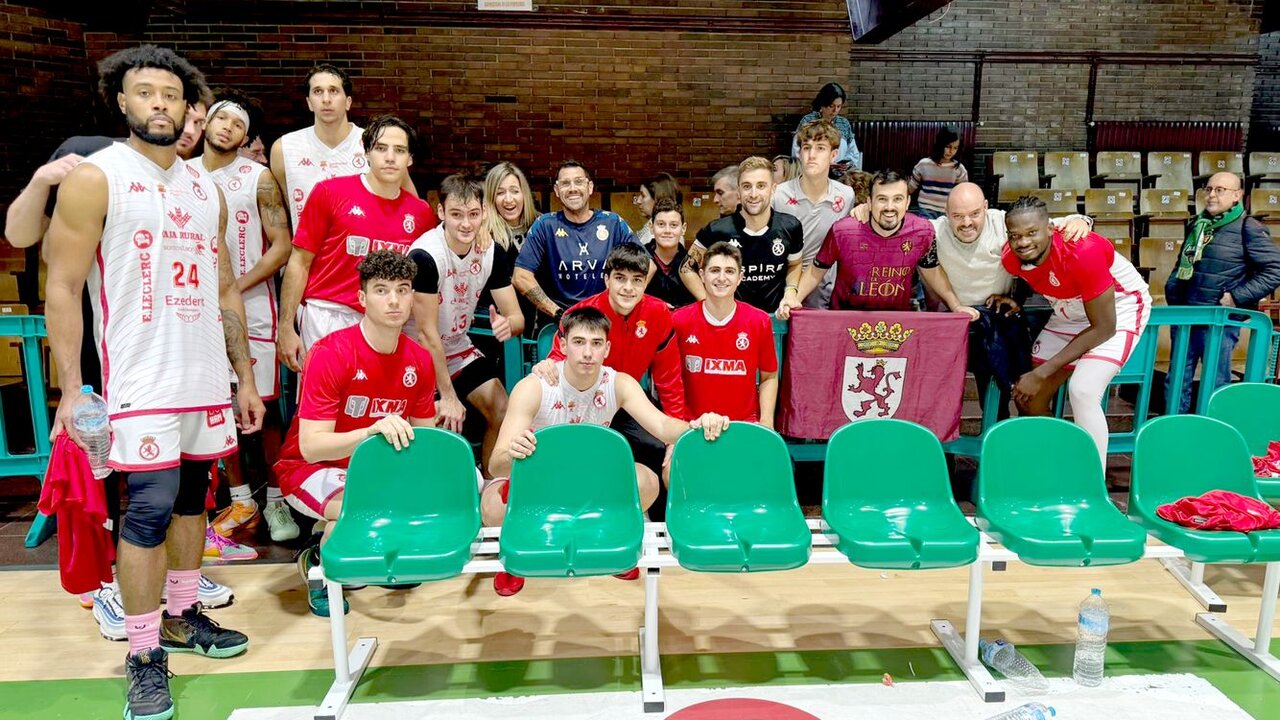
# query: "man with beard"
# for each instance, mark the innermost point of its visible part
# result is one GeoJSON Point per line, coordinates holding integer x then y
{"type": "Point", "coordinates": [154, 226]}
{"type": "Point", "coordinates": [562, 259]}
{"type": "Point", "coordinates": [771, 243]}
{"type": "Point", "coordinates": [875, 262]}
{"type": "Point", "coordinates": [258, 236]}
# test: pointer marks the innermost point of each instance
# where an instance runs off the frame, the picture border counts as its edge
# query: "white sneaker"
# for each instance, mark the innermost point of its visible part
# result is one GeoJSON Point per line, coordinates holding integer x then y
{"type": "Point", "coordinates": [210, 594]}
{"type": "Point", "coordinates": [109, 613]}
{"type": "Point", "coordinates": [280, 522]}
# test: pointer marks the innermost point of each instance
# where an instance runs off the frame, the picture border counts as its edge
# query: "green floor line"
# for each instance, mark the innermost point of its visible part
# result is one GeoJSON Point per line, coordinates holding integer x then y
{"type": "Point", "coordinates": [214, 697]}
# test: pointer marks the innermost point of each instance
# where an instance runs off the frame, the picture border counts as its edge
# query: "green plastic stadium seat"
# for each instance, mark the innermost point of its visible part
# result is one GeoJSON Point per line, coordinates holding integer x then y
{"type": "Point", "coordinates": [573, 508]}
{"type": "Point", "coordinates": [732, 503]}
{"type": "Point", "coordinates": [1253, 409]}
{"type": "Point", "coordinates": [407, 516]}
{"type": "Point", "coordinates": [887, 499]}
{"type": "Point", "coordinates": [1183, 455]}
{"type": "Point", "coordinates": [1042, 494]}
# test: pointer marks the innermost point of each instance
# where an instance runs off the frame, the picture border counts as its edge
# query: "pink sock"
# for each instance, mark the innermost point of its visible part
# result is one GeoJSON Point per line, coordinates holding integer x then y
{"type": "Point", "coordinates": [183, 587]}
{"type": "Point", "coordinates": [143, 631]}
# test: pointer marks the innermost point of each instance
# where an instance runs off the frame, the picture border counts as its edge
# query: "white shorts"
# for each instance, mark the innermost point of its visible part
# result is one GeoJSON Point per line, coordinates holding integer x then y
{"type": "Point", "coordinates": [321, 317]}
{"type": "Point", "coordinates": [1056, 335]}
{"type": "Point", "coordinates": [141, 443]}
{"type": "Point", "coordinates": [322, 483]}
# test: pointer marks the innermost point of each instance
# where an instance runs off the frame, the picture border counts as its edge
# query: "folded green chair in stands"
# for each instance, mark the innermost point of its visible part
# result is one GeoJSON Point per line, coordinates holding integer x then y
{"type": "Point", "coordinates": [1043, 495]}
{"type": "Point", "coordinates": [732, 503]}
{"type": "Point", "coordinates": [886, 499]}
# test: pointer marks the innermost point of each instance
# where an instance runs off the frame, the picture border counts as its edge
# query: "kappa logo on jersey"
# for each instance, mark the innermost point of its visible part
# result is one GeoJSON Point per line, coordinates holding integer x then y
{"type": "Point", "coordinates": [305, 162]}
{"type": "Point", "coordinates": [1053, 279]}
{"type": "Point", "coordinates": [179, 217]}
{"type": "Point", "coordinates": [142, 239]}
{"type": "Point", "coordinates": [357, 405]}
{"type": "Point", "coordinates": [641, 329]}
{"type": "Point", "coordinates": [410, 376]}
{"type": "Point", "coordinates": [693, 363]}
{"type": "Point", "coordinates": [242, 216]}
{"type": "Point", "coordinates": [383, 407]}
{"type": "Point", "coordinates": [234, 184]}
{"type": "Point", "coordinates": [724, 366]}
{"type": "Point", "coordinates": [214, 418]}
{"type": "Point", "coordinates": [356, 210]}
{"type": "Point", "coordinates": [692, 340]}
{"type": "Point", "coordinates": [734, 242]}
{"type": "Point", "coordinates": [148, 449]}
{"type": "Point", "coordinates": [198, 191]}
{"type": "Point", "coordinates": [779, 247]}
{"type": "Point", "coordinates": [602, 232]}
{"type": "Point", "coordinates": [793, 201]}
{"type": "Point", "coordinates": [409, 223]}
{"type": "Point", "coordinates": [561, 232]}
{"type": "Point", "coordinates": [743, 342]}
{"type": "Point", "coordinates": [137, 187]}
{"type": "Point", "coordinates": [230, 441]}
{"type": "Point", "coordinates": [360, 375]}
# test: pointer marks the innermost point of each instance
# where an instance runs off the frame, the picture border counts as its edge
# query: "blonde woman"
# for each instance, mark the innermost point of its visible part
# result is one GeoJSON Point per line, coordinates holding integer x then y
{"type": "Point", "coordinates": [509, 205]}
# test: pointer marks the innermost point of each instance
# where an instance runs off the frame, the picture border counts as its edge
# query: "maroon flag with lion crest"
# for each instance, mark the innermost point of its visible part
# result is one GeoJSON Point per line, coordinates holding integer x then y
{"type": "Point", "coordinates": [845, 366]}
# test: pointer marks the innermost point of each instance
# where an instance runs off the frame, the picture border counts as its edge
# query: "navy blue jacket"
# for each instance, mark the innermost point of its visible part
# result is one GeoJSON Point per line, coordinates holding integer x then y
{"type": "Point", "coordinates": [1242, 260]}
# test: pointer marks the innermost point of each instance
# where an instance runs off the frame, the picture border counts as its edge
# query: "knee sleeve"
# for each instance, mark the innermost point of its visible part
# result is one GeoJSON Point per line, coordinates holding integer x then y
{"type": "Point", "coordinates": [151, 501]}
{"type": "Point", "coordinates": [193, 485]}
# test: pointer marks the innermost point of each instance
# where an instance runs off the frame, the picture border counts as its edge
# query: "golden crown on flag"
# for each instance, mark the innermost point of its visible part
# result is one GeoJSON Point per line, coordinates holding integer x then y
{"type": "Point", "coordinates": [880, 339]}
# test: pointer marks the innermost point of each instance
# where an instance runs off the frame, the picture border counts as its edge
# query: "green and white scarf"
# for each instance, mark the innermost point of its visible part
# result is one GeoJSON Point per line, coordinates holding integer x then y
{"type": "Point", "coordinates": [1202, 229]}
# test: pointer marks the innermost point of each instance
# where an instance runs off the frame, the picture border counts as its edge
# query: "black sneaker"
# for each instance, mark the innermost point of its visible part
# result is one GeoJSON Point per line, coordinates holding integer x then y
{"type": "Point", "coordinates": [147, 674]}
{"type": "Point", "coordinates": [195, 632]}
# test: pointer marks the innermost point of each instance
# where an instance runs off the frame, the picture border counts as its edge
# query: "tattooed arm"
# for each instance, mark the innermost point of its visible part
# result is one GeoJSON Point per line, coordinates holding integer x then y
{"type": "Point", "coordinates": [689, 271]}
{"type": "Point", "coordinates": [527, 284]}
{"type": "Point", "coordinates": [275, 225]}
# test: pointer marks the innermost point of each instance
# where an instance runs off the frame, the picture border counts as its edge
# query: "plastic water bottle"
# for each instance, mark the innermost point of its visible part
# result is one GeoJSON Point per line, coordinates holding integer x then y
{"type": "Point", "coordinates": [1030, 711]}
{"type": "Point", "coordinates": [1005, 658]}
{"type": "Point", "coordinates": [1091, 641]}
{"type": "Point", "coordinates": [94, 428]}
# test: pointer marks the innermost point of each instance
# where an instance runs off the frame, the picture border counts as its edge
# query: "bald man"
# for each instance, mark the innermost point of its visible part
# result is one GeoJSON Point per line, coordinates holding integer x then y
{"type": "Point", "coordinates": [969, 240]}
{"type": "Point", "coordinates": [1226, 259]}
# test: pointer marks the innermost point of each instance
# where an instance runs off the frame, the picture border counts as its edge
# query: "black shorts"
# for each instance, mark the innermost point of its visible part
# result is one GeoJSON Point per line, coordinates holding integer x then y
{"type": "Point", "coordinates": [647, 450]}
{"type": "Point", "coordinates": [473, 375]}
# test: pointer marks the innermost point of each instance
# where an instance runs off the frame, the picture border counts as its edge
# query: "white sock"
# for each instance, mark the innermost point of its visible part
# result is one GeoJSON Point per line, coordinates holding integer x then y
{"type": "Point", "coordinates": [274, 495]}
{"type": "Point", "coordinates": [241, 494]}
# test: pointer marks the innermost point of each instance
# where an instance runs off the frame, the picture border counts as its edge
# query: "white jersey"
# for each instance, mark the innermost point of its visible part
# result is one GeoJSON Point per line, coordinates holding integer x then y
{"type": "Point", "coordinates": [462, 279]}
{"type": "Point", "coordinates": [154, 288]}
{"type": "Point", "coordinates": [246, 241]}
{"type": "Point", "coordinates": [307, 161]}
{"type": "Point", "coordinates": [566, 405]}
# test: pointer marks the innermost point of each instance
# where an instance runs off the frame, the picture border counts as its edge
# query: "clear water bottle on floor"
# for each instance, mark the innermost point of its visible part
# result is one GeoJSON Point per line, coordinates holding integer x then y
{"type": "Point", "coordinates": [1005, 658]}
{"type": "Point", "coordinates": [94, 428]}
{"type": "Point", "coordinates": [1030, 711]}
{"type": "Point", "coordinates": [1091, 640]}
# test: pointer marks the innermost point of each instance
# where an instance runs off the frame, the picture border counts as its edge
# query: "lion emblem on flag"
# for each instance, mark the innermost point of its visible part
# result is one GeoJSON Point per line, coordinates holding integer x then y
{"type": "Point", "coordinates": [872, 387]}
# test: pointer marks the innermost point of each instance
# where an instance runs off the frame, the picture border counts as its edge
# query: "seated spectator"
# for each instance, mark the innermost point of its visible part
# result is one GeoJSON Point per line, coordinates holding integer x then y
{"type": "Point", "coordinates": [562, 259]}
{"type": "Point", "coordinates": [364, 380]}
{"type": "Point", "coordinates": [668, 253]}
{"type": "Point", "coordinates": [509, 208]}
{"type": "Point", "coordinates": [785, 168]}
{"type": "Point", "coordinates": [877, 260]}
{"type": "Point", "coordinates": [827, 105]}
{"type": "Point", "coordinates": [724, 185]}
{"type": "Point", "coordinates": [935, 176]}
{"type": "Point", "coordinates": [587, 391]}
{"type": "Point", "coordinates": [661, 187]}
{"type": "Point", "coordinates": [771, 243]}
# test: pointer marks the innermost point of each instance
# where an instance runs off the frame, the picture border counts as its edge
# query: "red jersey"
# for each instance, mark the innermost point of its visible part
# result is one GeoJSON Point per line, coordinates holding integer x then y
{"type": "Point", "coordinates": [347, 381]}
{"type": "Point", "coordinates": [342, 222]}
{"type": "Point", "coordinates": [721, 359]}
{"type": "Point", "coordinates": [642, 341]}
{"type": "Point", "coordinates": [1077, 272]}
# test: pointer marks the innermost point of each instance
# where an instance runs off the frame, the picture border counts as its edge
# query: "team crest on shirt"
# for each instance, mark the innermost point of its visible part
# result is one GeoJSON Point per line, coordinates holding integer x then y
{"type": "Point", "coordinates": [246, 169]}
{"type": "Point", "coordinates": [1053, 279]}
{"type": "Point", "coordinates": [148, 449]}
{"type": "Point", "coordinates": [297, 195]}
{"type": "Point", "coordinates": [837, 204]}
{"type": "Point", "coordinates": [358, 161]}
{"type": "Point", "coordinates": [234, 184]}
{"type": "Point", "coordinates": [242, 216]}
{"type": "Point", "coordinates": [409, 223]}
{"type": "Point", "coordinates": [598, 400]}
{"type": "Point", "coordinates": [743, 342]}
{"type": "Point", "coordinates": [602, 232]}
{"type": "Point", "coordinates": [476, 266]}
{"type": "Point", "coordinates": [410, 376]}
{"type": "Point", "coordinates": [142, 239]}
{"type": "Point", "coordinates": [199, 191]}
{"type": "Point", "coordinates": [906, 246]}
{"type": "Point", "coordinates": [779, 247]}
{"type": "Point", "coordinates": [641, 329]}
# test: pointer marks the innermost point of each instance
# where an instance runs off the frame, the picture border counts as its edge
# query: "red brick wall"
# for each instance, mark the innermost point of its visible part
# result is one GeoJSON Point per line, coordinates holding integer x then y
{"type": "Point", "coordinates": [633, 87]}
